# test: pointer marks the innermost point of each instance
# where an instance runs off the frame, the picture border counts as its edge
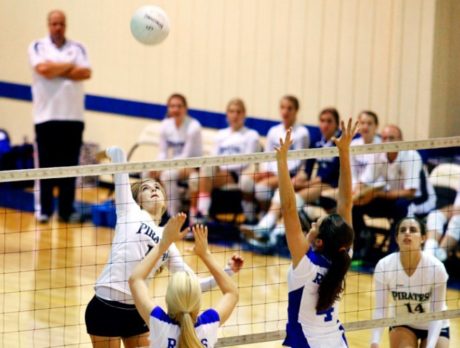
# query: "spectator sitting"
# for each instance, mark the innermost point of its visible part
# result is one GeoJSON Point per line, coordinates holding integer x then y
{"type": "Point", "coordinates": [233, 140]}
{"type": "Point", "coordinates": [263, 184]}
{"type": "Point", "coordinates": [401, 188]}
{"type": "Point", "coordinates": [438, 244]}
{"type": "Point", "coordinates": [180, 137]}
{"type": "Point", "coordinates": [309, 189]}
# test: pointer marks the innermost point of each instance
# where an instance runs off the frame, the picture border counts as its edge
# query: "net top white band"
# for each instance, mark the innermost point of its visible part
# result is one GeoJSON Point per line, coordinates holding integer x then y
{"type": "Point", "coordinates": [196, 162]}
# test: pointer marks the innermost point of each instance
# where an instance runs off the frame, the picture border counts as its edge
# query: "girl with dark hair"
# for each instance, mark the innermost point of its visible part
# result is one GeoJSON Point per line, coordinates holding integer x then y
{"type": "Point", "coordinates": [320, 259]}
{"type": "Point", "coordinates": [417, 283]}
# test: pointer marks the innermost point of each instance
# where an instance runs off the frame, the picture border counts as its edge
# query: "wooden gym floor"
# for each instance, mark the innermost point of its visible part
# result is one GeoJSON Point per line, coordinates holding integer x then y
{"type": "Point", "coordinates": [47, 274]}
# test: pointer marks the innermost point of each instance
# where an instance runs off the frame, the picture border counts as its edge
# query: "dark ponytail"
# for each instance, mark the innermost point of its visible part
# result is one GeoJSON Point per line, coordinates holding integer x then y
{"type": "Point", "coordinates": [337, 237]}
{"type": "Point", "coordinates": [333, 283]}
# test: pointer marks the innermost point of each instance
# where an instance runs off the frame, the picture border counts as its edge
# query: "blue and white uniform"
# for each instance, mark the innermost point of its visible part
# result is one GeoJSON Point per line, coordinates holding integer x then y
{"type": "Point", "coordinates": [306, 327]}
{"type": "Point", "coordinates": [164, 332]}
{"type": "Point", "coordinates": [328, 167]}
{"type": "Point", "coordinates": [230, 142]}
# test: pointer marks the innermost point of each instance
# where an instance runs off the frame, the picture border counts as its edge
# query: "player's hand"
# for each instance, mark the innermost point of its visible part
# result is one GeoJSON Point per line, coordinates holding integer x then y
{"type": "Point", "coordinates": [235, 263]}
{"type": "Point", "coordinates": [200, 232]}
{"type": "Point", "coordinates": [348, 132]}
{"type": "Point", "coordinates": [172, 230]}
{"type": "Point", "coordinates": [282, 150]}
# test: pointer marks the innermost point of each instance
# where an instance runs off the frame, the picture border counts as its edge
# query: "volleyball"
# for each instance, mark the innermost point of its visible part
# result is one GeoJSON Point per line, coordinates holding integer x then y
{"type": "Point", "coordinates": [150, 25]}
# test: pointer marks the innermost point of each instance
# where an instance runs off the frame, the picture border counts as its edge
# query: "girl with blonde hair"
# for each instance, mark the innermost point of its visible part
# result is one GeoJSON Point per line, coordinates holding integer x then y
{"type": "Point", "coordinates": [182, 325]}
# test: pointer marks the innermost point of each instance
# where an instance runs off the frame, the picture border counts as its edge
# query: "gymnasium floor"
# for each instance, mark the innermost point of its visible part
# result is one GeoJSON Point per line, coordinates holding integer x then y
{"type": "Point", "coordinates": [48, 272]}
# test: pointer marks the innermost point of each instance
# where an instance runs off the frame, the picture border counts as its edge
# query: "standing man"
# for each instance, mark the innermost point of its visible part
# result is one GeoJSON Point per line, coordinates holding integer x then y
{"type": "Point", "coordinates": [59, 67]}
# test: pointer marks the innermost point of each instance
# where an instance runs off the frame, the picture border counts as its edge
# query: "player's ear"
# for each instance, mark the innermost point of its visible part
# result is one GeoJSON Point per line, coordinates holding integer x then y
{"type": "Point", "coordinates": [319, 244]}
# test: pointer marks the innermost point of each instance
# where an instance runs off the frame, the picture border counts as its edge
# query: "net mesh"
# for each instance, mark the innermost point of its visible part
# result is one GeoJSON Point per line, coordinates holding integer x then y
{"type": "Point", "coordinates": [48, 271]}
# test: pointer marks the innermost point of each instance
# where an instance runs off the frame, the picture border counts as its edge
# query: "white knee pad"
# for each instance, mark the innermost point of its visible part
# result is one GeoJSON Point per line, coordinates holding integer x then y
{"type": "Point", "coordinates": [263, 192]}
{"type": "Point", "coordinates": [167, 176]}
{"type": "Point", "coordinates": [246, 184]}
{"type": "Point", "coordinates": [207, 171]}
{"type": "Point", "coordinates": [193, 181]}
{"type": "Point", "coordinates": [453, 229]}
{"type": "Point", "coordinates": [436, 221]}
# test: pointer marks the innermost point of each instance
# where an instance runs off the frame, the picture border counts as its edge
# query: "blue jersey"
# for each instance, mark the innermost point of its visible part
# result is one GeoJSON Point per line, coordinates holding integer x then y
{"type": "Point", "coordinates": [306, 326]}
{"type": "Point", "coordinates": [164, 332]}
{"type": "Point", "coordinates": [328, 167]}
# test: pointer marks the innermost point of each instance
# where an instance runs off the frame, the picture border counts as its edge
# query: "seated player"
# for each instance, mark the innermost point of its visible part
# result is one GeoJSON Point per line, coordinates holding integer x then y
{"type": "Point", "coordinates": [309, 189]}
{"type": "Point", "coordinates": [264, 183]}
{"type": "Point", "coordinates": [237, 139]}
{"type": "Point", "coordinates": [406, 189]}
{"type": "Point", "coordinates": [180, 137]}
{"type": "Point", "coordinates": [437, 242]}
{"type": "Point", "coordinates": [182, 325]}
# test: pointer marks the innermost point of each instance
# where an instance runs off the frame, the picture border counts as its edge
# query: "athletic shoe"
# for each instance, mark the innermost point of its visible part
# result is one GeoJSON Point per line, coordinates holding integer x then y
{"type": "Point", "coordinates": [43, 218]}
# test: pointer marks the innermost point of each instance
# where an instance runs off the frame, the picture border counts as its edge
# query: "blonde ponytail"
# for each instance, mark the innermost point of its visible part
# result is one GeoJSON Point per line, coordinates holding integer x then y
{"type": "Point", "coordinates": [188, 337]}
{"type": "Point", "coordinates": [183, 299]}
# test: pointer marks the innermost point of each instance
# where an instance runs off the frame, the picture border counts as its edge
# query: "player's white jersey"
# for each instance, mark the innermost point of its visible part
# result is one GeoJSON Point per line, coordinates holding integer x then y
{"type": "Point", "coordinates": [360, 162]}
{"type": "Point", "coordinates": [182, 142]}
{"type": "Point", "coordinates": [300, 140]}
{"type": "Point", "coordinates": [414, 294]}
{"type": "Point", "coordinates": [230, 142]}
{"type": "Point", "coordinates": [405, 172]}
{"type": "Point", "coordinates": [164, 332]}
{"type": "Point", "coordinates": [135, 235]}
{"type": "Point", "coordinates": [306, 327]}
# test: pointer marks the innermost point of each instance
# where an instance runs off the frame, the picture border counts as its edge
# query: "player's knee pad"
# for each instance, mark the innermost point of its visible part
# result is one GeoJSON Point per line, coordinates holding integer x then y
{"type": "Point", "coordinates": [436, 221]}
{"type": "Point", "coordinates": [246, 184]}
{"type": "Point", "coordinates": [263, 192]}
{"type": "Point", "coordinates": [299, 202]}
{"type": "Point", "coordinates": [193, 181]}
{"type": "Point", "coordinates": [453, 228]}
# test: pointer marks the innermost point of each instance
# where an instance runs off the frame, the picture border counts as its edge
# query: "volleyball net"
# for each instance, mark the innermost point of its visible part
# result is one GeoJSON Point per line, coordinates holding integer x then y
{"type": "Point", "coordinates": [48, 271]}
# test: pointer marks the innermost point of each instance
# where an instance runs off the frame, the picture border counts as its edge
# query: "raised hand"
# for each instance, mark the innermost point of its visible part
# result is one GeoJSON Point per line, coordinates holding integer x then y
{"type": "Point", "coordinates": [200, 233]}
{"type": "Point", "coordinates": [236, 263]}
{"type": "Point", "coordinates": [172, 230]}
{"type": "Point", "coordinates": [282, 150]}
{"type": "Point", "coordinates": [343, 143]}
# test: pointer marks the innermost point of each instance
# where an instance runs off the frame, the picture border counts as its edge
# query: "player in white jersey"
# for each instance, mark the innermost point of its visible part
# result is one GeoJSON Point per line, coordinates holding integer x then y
{"type": "Point", "coordinates": [320, 259]}
{"type": "Point", "coordinates": [416, 282]}
{"type": "Point", "coordinates": [111, 315]}
{"type": "Point", "coordinates": [236, 139]}
{"type": "Point", "coordinates": [182, 325]}
{"type": "Point", "coordinates": [180, 137]}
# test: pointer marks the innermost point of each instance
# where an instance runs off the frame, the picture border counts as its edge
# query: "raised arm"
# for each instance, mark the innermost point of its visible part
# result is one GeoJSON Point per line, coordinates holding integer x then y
{"type": "Point", "coordinates": [297, 243]}
{"type": "Point", "coordinates": [345, 196]}
{"type": "Point", "coordinates": [229, 290]}
{"type": "Point", "coordinates": [172, 233]}
{"type": "Point", "coordinates": [123, 195]}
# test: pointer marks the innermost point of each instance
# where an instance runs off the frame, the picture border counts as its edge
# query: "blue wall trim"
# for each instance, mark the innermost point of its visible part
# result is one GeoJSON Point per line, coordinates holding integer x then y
{"type": "Point", "coordinates": [152, 111]}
